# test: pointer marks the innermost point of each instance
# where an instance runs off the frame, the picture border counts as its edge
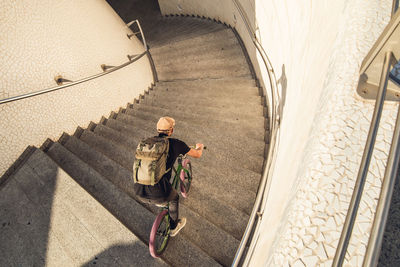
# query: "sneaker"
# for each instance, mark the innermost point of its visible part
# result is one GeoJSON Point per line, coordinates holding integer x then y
{"type": "Point", "coordinates": [179, 226]}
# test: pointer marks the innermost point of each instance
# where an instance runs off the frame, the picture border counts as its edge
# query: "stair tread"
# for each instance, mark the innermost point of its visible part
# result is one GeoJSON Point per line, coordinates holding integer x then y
{"type": "Point", "coordinates": [209, 113]}
{"type": "Point", "coordinates": [218, 156]}
{"type": "Point", "coordinates": [235, 83]}
{"type": "Point", "coordinates": [211, 89]}
{"type": "Point", "coordinates": [200, 58]}
{"type": "Point", "coordinates": [123, 179]}
{"type": "Point", "coordinates": [215, 185]}
{"type": "Point", "coordinates": [219, 129]}
{"type": "Point", "coordinates": [125, 208]}
{"type": "Point", "coordinates": [206, 98]}
{"type": "Point", "coordinates": [206, 50]}
{"type": "Point", "coordinates": [129, 143]}
{"type": "Point", "coordinates": [192, 134]}
{"type": "Point", "coordinates": [59, 203]}
{"type": "Point", "coordinates": [206, 84]}
{"type": "Point", "coordinates": [209, 109]}
{"type": "Point", "coordinates": [204, 34]}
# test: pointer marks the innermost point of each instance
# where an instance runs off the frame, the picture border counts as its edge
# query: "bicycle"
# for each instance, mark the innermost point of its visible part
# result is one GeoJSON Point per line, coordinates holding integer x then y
{"type": "Point", "coordinates": [160, 231]}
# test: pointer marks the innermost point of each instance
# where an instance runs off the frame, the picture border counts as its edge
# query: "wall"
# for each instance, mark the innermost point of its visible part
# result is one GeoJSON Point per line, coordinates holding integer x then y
{"type": "Point", "coordinates": [43, 39]}
{"type": "Point", "coordinates": [316, 48]}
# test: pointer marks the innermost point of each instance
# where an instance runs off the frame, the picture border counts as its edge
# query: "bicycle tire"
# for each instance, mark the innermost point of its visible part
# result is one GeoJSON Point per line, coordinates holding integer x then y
{"type": "Point", "coordinates": [159, 234]}
{"type": "Point", "coordinates": [185, 178]}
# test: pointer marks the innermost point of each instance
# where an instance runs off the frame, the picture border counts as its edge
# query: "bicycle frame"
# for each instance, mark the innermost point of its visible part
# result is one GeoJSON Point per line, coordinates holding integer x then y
{"type": "Point", "coordinates": [176, 181]}
{"type": "Point", "coordinates": [181, 176]}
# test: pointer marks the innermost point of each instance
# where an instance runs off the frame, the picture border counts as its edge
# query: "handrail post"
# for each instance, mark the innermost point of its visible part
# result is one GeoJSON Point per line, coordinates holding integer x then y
{"type": "Point", "coordinates": [140, 30]}
{"type": "Point", "coordinates": [378, 228]}
{"type": "Point", "coordinates": [395, 6]}
{"type": "Point", "coordinates": [274, 125]}
{"type": "Point", "coordinates": [363, 171]}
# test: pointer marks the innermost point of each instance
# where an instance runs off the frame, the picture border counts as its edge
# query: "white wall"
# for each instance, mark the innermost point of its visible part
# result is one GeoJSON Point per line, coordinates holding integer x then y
{"type": "Point", "coordinates": [321, 45]}
{"type": "Point", "coordinates": [42, 39]}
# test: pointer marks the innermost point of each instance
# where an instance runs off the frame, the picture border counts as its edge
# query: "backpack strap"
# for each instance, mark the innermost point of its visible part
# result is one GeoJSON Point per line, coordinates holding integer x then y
{"type": "Point", "coordinates": [167, 151]}
{"type": "Point", "coordinates": [135, 178]}
{"type": "Point", "coordinates": [152, 178]}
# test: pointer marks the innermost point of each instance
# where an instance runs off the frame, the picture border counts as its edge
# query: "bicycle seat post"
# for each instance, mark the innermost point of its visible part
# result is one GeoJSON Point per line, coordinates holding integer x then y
{"type": "Point", "coordinates": [180, 159]}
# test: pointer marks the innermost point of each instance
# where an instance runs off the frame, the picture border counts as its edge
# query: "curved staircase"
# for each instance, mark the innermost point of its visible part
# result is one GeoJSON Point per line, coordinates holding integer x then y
{"type": "Point", "coordinates": [205, 83]}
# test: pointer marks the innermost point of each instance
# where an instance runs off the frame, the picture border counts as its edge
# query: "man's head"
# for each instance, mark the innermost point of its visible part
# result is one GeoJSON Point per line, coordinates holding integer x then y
{"type": "Point", "coordinates": [166, 125]}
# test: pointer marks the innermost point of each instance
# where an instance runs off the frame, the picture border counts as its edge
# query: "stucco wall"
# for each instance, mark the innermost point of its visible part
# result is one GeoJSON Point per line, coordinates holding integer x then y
{"type": "Point", "coordinates": [42, 39]}
{"type": "Point", "coordinates": [316, 48]}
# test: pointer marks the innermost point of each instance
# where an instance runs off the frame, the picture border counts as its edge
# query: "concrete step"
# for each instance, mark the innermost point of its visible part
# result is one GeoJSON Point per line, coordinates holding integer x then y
{"type": "Point", "coordinates": [203, 55]}
{"type": "Point", "coordinates": [250, 110]}
{"type": "Point", "coordinates": [25, 227]}
{"type": "Point", "coordinates": [198, 113]}
{"type": "Point", "coordinates": [233, 228]}
{"type": "Point", "coordinates": [209, 85]}
{"type": "Point", "coordinates": [212, 88]}
{"type": "Point", "coordinates": [204, 99]}
{"type": "Point", "coordinates": [180, 251]}
{"type": "Point", "coordinates": [219, 38]}
{"type": "Point", "coordinates": [217, 70]}
{"type": "Point", "coordinates": [114, 132]}
{"type": "Point", "coordinates": [213, 184]}
{"type": "Point", "coordinates": [219, 151]}
{"type": "Point", "coordinates": [65, 224]}
{"type": "Point", "coordinates": [220, 156]}
{"type": "Point", "coordinates": [173, 29]}
{"type": "Point", "coordinates": [216, 117]}
{"type": "Point", "coordinates": [251, 104]}
{"type": "Point", "coordinates": [199, 52]}
{"type": "Point", "coordinates": [236, 130]}
{"type": "Point", "coordinates": [212, 113]}
{"type": "Point", "coordinates": [210, 136]}
{"type": "Point", "coordinates": [118, 175]}
{"type": "Point", "coordinates": [167, 35]}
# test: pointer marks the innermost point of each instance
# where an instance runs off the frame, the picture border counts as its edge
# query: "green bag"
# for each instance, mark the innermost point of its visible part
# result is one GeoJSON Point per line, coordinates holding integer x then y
{"type": "Point", "coordinates": [150, 160]}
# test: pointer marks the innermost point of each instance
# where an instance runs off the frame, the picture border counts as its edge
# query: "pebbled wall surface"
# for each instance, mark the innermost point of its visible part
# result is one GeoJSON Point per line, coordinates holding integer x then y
{"type": "Point", "coordinates": [314, 219]}
{"type": "Point", "coordinates": [42, 39]}
{"type": "Point", "coordinates": [316, 48]}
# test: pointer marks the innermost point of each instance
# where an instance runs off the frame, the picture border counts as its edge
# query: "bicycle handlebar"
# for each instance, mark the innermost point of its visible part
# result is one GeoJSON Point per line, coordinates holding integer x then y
{"type": "Point", "coordinates": [194, 147]}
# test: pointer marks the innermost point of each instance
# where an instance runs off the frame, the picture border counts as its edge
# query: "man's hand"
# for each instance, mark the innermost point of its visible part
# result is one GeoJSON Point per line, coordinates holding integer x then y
{"type": "Point", "coordinates": [196, 152]}
{"type": "Point", "coordinates": [199, 146]}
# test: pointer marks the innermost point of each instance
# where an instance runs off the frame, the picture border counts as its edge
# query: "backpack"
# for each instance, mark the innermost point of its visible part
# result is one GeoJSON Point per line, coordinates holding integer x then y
{"type": "Point", "coordinates": [150, 161]}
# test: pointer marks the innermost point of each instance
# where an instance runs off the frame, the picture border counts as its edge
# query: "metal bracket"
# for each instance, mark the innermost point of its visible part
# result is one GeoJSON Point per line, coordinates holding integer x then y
{"type": "Point", "coordinates": [368, 89]}
{"type": "Point", "coordinates": [105, 67]}
{"type": "Point", "coordinates": [131, 35]}
{"type": "Point", "coordinates": [130, 57]}
{"type": "Point", "coordinates": [60, 80]}
{"type": "Point", "coordinates": [371, 67]}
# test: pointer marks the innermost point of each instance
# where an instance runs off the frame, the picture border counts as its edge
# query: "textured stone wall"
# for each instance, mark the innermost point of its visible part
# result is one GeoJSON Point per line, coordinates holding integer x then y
{"type": "Point", "coordinates": [316, 48]}
{"type": "Point", "coordinates": [42, 39]}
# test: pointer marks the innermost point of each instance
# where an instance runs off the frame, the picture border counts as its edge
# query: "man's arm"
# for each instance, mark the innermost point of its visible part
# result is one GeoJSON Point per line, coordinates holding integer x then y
{"type": "Point", "coordinates": [196, 152]}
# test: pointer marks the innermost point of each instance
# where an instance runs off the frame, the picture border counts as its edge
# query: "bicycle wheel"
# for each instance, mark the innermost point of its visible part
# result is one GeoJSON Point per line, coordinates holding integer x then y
{"type": "Point", "coordinates": [159, 234]}
{"type": "Point", "coordinates": [186, 177]}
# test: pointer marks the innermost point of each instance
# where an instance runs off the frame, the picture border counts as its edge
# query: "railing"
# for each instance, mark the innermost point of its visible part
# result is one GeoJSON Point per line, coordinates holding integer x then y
{"type": "Point", "coordinates": [395, 6]}
{"type": "Point", "coordinates": [381, 51]}
{"type": "Point", "coordinates": [274, 129]}
{"type": "Point", "coordinates": [106, 70]}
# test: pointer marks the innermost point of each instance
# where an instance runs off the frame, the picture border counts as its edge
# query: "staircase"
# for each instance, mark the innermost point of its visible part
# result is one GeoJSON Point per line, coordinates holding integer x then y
{"type": "Point", "coordinates": [72, 200]}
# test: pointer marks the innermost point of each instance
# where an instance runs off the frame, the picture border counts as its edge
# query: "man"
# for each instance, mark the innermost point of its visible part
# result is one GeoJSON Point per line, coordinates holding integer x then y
{"type": "Point", "coordinates": [162, 191]}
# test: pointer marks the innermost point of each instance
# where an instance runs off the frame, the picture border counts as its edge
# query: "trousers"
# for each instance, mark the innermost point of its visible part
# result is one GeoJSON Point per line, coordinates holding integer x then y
{"type": "Point", "coordinates": [173, 200]}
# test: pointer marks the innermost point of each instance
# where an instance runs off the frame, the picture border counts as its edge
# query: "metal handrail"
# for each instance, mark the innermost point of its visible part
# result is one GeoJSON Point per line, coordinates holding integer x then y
{"type": "Point", "coordinates": [378, 227]}
{"type": "Point", "coordinates": [383, 49]}
{"type": "Point", "coordinates": [363, 171]}
{"type": "Point", "coordinates": [395, 6]}
{"type": "Point", "coordinates": [274, 126]}
{"type": "Point", "coordinates": [72, 83]}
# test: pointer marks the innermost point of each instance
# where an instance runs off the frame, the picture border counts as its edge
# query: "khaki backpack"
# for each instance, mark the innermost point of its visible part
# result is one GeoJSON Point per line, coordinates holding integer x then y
{"type": "Point", "coordinates": [150, 160]}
